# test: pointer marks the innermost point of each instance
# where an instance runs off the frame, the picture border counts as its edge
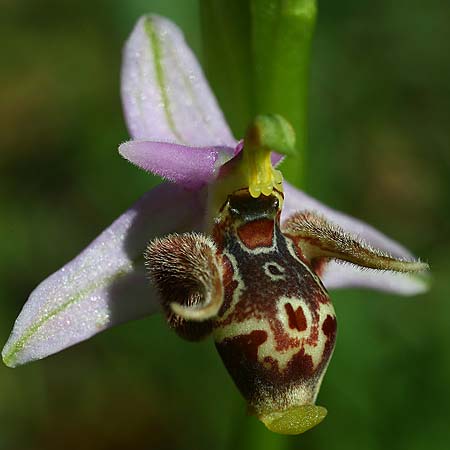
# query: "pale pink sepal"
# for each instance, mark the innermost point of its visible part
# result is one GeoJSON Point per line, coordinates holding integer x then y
{"type": "Point", "coordinates": [341, 275]}
{"type": "Point", "coordinates": [105, 284]}
{"type": "Point", "coordinates": [338, 275]}
{"type": "Point", "coordinates": [165, 94]}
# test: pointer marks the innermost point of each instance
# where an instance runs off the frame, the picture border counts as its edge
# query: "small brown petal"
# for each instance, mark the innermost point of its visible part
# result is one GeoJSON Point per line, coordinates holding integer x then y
{"type": "Point", "coordinates": [187, 272]}
{"type": "Point", "coordinates": [320, 240]}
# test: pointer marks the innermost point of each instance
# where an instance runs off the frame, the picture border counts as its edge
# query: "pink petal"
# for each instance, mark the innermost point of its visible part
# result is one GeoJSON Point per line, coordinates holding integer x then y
{"type": "Point", "coordinates": [104, 285]}
{"type": "Point", "coordinates": [164, 92]}
{"type": "Point", "coordinates": [190, 166]}
{"type": "Point", "coordinates": [338, 275]}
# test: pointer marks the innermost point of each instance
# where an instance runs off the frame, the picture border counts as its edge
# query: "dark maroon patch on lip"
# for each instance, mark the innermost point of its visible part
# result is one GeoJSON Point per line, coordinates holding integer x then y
{"type": "Point", "coordinates": [245, 345]}
{"type": "Point", "coordinates": [329, 327]}
{"type": "Point", "coordinates": [297, 319]}
{"type": "Point", "coordinates": [301, 363]}
{"type": "Point", "coordinates": [240, 355]}
{"type": "Point", "coordinates": [258, 233]}
{"type": "Point", "coordinates": [256, 379]}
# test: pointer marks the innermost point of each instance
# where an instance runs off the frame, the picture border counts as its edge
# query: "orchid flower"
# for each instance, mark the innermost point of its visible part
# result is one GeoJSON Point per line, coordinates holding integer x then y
{"type": "Point", "coordinates": [230, 248]}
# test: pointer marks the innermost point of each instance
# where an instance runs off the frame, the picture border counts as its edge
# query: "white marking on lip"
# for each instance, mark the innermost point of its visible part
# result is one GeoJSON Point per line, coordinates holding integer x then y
{"type": "Point", "coordinates": [274, 276]}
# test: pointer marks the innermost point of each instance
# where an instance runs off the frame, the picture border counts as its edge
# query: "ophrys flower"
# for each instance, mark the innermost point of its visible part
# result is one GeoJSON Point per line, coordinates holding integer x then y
{"type": "Point", "coordinates": [256, 275]}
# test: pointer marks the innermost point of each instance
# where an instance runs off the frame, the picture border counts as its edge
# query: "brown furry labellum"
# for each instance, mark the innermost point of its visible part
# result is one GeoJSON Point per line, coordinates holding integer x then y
{"type": "Point", "coordinates": [254, 287]}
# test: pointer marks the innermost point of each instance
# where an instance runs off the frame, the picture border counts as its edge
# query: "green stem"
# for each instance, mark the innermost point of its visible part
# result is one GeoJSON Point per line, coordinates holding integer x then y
{"type": "Point", "coordinates": [281, 38]}
{"type": "Point", "coordinates": [257, 60]}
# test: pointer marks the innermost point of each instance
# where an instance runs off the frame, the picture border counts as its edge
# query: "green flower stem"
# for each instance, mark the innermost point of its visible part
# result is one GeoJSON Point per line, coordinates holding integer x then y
{"type": "Point", "coordinates": [281, 38]}
{"type": "Point", "coordinates": [257, 60]}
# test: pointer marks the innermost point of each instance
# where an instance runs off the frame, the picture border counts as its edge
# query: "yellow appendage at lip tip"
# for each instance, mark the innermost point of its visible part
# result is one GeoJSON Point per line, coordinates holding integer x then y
{"type": "Point", "coordinates": [294, 420]}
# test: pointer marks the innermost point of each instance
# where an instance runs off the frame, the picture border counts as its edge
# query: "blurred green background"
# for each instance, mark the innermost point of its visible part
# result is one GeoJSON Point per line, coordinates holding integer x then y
{"type": "Point", "coordinates": [378, 149]}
